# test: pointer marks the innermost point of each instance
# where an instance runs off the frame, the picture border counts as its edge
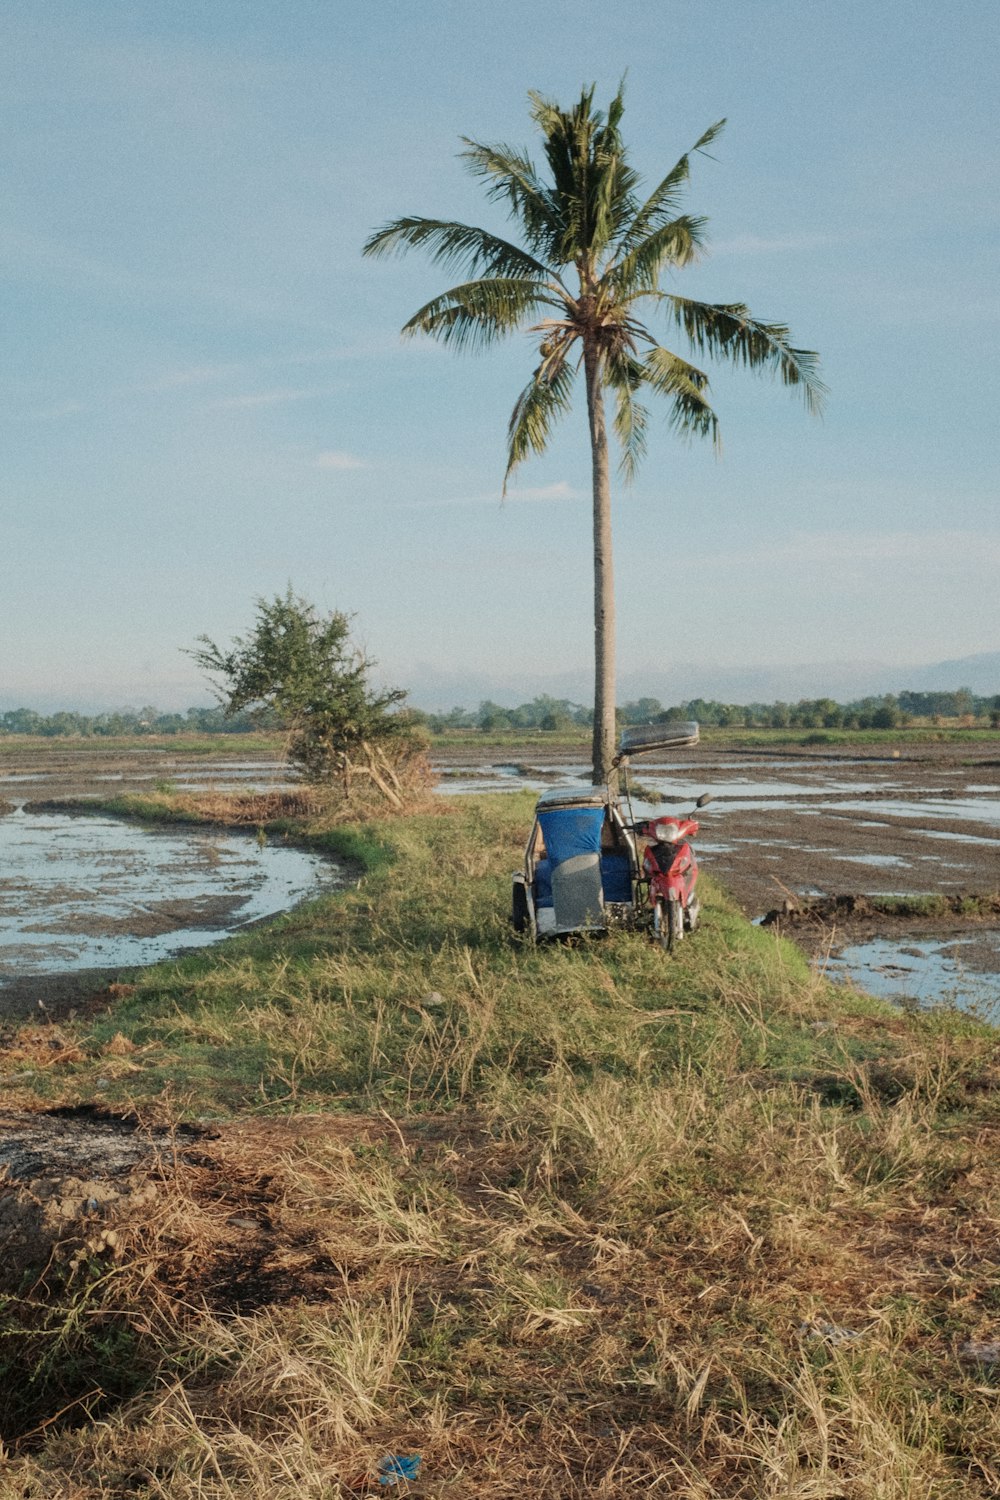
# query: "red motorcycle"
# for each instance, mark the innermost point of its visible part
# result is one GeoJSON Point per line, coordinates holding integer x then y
{"type": "Point", "coordinates": [670, 871]}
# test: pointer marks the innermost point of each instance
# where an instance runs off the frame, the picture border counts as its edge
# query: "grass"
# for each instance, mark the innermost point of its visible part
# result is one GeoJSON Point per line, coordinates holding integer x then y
{"type": "Point", "coordinates": [568, 1221]}
{"type": "Point", "coordinates": [507, 744]}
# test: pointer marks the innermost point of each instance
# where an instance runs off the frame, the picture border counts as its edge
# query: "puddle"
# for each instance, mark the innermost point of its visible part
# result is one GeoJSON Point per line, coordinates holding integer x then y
{"type": "Point", "coordinates": [885, 861]}
{"type": "Point", "coordinates": [953, 809]}
{"type": "Point", "coordinates": [94, 892]}
{"type": "Point", "coordinates": [963, 972]}
{"type": "Point", "coordinates": [961, 838]}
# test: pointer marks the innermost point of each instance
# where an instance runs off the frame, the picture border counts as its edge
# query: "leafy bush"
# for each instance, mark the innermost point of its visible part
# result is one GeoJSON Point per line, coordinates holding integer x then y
{"type": "Point", "coordinates": [299, 669]}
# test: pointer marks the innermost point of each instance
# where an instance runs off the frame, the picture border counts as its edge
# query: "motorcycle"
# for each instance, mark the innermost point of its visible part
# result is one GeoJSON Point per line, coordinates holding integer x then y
{"type": "Point", "coordinates": [670, 873]}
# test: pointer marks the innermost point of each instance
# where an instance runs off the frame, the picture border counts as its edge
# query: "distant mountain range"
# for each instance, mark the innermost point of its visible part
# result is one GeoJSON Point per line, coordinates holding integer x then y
{"type": "Point", "coordinates": [436, 691]}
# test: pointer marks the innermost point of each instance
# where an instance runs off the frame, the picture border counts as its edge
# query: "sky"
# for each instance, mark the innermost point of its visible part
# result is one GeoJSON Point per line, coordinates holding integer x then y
{"type": "Point", "coordinates": [204, 397]}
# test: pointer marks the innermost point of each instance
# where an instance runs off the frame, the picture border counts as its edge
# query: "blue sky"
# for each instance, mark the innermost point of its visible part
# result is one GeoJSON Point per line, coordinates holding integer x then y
{"type": "Point", "coordinates": [204, 396]}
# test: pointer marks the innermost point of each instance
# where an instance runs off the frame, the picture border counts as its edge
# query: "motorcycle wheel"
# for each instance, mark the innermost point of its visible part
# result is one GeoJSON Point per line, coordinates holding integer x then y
{"type": "Point", "coordinates": [668, 924]}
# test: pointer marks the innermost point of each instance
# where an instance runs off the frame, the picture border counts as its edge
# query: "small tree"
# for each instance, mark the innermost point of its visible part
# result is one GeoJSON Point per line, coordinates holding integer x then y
{"type": "Point", "coordinates": [298, 670]}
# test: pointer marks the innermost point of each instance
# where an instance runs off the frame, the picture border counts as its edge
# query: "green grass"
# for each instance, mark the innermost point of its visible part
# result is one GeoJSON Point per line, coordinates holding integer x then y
{"type": "Point", "coordinates": [567, 1220]}
{"type": "Point", "coordinates": [327, 1004]}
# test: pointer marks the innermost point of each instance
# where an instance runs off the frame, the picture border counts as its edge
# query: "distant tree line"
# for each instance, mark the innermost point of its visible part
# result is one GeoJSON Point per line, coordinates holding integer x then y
{"type": "Point", "coordinates": [891, 711]}
{"type": "Point", "coordinates": [125, 721]}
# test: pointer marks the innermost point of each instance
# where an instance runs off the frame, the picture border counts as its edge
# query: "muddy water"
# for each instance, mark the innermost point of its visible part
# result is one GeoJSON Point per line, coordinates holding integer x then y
{"type": "Point", "coordinates": [805, 824]}
{"type": "Point", "coordinates": [87, 893]}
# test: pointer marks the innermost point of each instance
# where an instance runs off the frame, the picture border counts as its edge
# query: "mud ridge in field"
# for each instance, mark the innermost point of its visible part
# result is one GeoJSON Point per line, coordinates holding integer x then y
{"type": "Point", "coordinates": [852, 918]}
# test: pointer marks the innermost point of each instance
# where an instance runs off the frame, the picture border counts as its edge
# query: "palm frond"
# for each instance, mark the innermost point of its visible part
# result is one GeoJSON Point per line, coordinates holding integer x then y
{"type": "Point", "coordinates": [593, 183]}
{"type": "Point", "coordinates": [729, 331]}
{"type": "Point", "coordinates": [664, 201]}
{"type": "Point", "coordinates": [479, 313]}
{"type": "Point", "coordinates": [567, 136]}
{"type": "Point", "coordinates": [626, 375]}
{"type": "Point", "coordinates": [456, 246]}
{"type": "Point", "coordinates": [614, 180]}
{"type": "Point", "coordinates": [675, 243]}
{"type": "Point", "coordinates": [613, 198]}
{"type": "Point", "coordinates": [545, 398]}
{"type": "Point", "coordinates": [509, 175]}
{"type": "Point", "coordinates": [686, 388]}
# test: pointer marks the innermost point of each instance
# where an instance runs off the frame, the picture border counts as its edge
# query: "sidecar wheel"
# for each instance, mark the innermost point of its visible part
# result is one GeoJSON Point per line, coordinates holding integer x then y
{"type": "Point", "coordinates": [520, 916]}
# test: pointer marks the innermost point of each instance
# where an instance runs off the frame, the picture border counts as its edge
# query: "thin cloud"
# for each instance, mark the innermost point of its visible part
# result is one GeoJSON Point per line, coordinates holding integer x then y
{"type": "Point", "coordinates": [558, 491]}
{"type": "Point", "coordinates": [853, 553]}
{"type": "Point", "coordinates": [337, 459]}
{"type": "Point", "coordinates": [195, 375]}
{"type": "Point", "coordinates": [53, 413]}
{"type": "Point", "coordinates": [375, 347]}
{"type": "Point", "coordinates": [268, 398]}
{"type": "Point", "coordinates": [754, 244]}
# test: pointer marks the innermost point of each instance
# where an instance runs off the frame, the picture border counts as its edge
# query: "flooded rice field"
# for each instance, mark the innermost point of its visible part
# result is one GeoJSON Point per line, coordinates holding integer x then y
{"type": "Point", "coordinates": [801, 825]}
{"type": "Point", "coordinates": [805, 823]}
{"type": "Point", "coordinates": [87, 891]}
{"type": "Point", "coordinates": [786, 826]}
{"type": "Point", "coordinates": [959, 970]}
{"type": "Point", "coordinates": [84, 897]}
{"type": "Point", "coordinates": [76, 768]}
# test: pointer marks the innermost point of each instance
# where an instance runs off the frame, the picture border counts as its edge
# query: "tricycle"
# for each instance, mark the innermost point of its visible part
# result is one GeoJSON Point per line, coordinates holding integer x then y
{"type": "Point", "coordinates": [590, 866]}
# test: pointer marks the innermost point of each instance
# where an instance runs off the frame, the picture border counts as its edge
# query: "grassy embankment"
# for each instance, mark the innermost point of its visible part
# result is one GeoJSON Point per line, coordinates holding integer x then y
{"type": "Point", "coordinates": [583, 1221]}
{"type": "Point", "coordinates": [223, 746]}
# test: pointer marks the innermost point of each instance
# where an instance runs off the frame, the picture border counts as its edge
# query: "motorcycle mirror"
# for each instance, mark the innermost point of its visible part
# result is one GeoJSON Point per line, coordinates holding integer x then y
{"type": "Point", "coordinates": [705, 798]}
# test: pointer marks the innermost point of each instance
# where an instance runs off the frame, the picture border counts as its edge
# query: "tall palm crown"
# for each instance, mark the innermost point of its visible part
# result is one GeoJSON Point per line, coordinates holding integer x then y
{"type": "Point", "coordinates": [592, 250]}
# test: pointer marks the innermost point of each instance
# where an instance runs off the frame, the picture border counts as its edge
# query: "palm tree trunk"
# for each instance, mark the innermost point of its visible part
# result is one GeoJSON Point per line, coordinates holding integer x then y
{"type": "Point", "coordinates": [604, 582]}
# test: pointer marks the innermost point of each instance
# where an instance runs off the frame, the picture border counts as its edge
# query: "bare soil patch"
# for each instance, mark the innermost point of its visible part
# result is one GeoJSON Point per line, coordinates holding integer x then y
{"type": "Point", "coordinates": [817, 923]}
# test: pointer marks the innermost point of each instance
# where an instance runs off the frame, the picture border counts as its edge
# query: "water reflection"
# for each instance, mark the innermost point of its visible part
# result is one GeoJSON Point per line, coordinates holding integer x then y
{"type": "Point", "coordinates": [96, 892]}
{"type": "Point", "coordinates": [959, 971]}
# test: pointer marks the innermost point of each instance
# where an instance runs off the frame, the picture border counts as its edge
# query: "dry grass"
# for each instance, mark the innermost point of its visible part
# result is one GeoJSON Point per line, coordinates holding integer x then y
{"type": "Point", "coordinates": [499, 1297]}
{"type": "Point", "coordinates": [594, 1224]}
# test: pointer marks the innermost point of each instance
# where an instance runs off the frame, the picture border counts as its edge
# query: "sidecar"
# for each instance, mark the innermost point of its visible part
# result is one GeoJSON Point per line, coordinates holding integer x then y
{"type": "Point", "coordinates": [582, 867]}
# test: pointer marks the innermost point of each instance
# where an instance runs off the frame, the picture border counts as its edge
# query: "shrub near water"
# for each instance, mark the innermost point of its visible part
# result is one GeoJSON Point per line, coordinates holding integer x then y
{"type": "Point", "coordinates": [590, 1221]}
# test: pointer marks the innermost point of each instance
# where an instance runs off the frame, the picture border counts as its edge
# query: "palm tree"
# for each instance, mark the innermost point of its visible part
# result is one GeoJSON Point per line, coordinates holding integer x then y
{"type": "Point", "coordinates": [592, 253]}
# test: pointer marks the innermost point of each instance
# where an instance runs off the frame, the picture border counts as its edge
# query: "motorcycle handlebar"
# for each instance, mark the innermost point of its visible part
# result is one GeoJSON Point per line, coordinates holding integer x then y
{"type": "Point", "coordinates": [702, 801]}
